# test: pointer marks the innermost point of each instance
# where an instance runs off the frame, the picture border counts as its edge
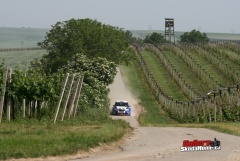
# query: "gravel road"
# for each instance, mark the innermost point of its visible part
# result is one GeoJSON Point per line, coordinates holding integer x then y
{"type": "Point", "coordinates": [161, 143]}
{"type": "Point", "coordinates": [155, 143]}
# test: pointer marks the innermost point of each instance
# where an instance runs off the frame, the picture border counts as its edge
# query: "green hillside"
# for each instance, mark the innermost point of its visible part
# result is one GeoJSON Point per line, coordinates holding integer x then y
{"type": "Point", "coordinates": [194, 83]}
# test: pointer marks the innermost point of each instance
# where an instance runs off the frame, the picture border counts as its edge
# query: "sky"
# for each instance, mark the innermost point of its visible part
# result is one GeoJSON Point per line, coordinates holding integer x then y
{"type": "Point", "coordinates": [217, 16]}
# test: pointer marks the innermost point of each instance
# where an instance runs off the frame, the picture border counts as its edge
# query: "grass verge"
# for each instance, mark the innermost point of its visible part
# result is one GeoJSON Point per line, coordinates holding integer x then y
{"type": "Point", "coordinates": [30, 139]}
{"type": "Point", "coordinates": [232, 128]}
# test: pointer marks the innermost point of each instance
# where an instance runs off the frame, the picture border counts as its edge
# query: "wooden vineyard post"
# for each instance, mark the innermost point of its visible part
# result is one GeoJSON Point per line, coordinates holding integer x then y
{"type": "Point", "coordinates": [238, 95]}
{"type": "Point", "coordinates": [24, 105]}
{"type": "Point", "coordinates": [24, 108]}
{"type": "Point", "coordinates": [209, 113]}
{"type": "Point", "coordinates": [9, 77]}
{"type": "Point", "coordinates": [215, 109]}
{"type": "Point", "coordinates": [39, 104]}
{"type": "Point", "coordinates": [181, 109]}
{"type": "Point", "coordinates": [78, 95]}
{"type": "Point", "coordinates": [60, 97]}
{"type": "Point", "coordinates": [193, 105]}
{"type": "Point", "coordinates": [67, 97]}
{"type": "Point", "coordinates": [3, 92]}
{"type": "Point", "coordinates": [204, 108]}
{"type": "Point", "coordinates": [220, 106]}
{"type": "Point", "coordinates": [30, 108]}
{"type": "Point", "coordinates": [73, 97]}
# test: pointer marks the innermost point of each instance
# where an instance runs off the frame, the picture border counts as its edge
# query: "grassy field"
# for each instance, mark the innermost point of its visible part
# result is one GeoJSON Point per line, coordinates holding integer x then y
{"type": "Point", "coordinates": [20, 59]}
{"type": "Point", "coordinates": [21, 37]}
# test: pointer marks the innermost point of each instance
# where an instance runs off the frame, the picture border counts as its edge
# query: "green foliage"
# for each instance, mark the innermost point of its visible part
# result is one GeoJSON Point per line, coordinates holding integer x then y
{"type": "Point", "coordinates": [129, 37]}
{"type": "Point", "coordinates": [98, 73]}
{"type": "Point", "coordinates": [194, 37]}
{"type": "Point", "coordinates": [34, 85]}
{"type": "Point", "coordinates": [155, 38]}
{"type": "Point", "coordinates": [133, 40]}
{"type": "Point", "coordinates": [94, 96]}
{"type": "Point", "coordinates": [87, 36]}
{"type": "Point", "coordinates": [99, 68]}
{"type": "Point", "coordinates": [230, 111]}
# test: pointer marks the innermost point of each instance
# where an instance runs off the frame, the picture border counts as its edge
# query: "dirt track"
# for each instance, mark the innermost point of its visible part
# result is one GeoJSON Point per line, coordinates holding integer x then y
{"type": "Point", "coordinates": [156, 143]}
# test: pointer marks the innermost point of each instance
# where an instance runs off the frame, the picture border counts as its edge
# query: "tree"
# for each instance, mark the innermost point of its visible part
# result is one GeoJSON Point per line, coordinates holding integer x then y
{"type": "Point", "coordinates": [133, 40]}
{"type": "Point", "coordinates": [98, 68]}
{"type": "Point", "coordinates": [194, 37]}
{"type": "Point", "coordinates": [129, 37]}
{"type": "Point", "coordinates": [155, 38]}
{"type": "Point", "coordinates": [87, 36]}
{"type": "Point", "coordinates": [98, 73]}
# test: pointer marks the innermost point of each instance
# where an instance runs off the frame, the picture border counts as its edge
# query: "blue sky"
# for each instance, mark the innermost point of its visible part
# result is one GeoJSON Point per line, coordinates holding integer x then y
{"type": "Point", "coordinates": [220, 16]}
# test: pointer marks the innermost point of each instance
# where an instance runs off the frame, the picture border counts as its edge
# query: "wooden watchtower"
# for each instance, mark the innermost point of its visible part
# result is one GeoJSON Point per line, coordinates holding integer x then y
{"type": "Point", "coordinates": [169, 29]}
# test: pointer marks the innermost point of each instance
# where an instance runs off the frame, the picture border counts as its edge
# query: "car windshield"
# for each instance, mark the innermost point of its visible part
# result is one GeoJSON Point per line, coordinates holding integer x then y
{"type": "Point", "coordinates": [121, 104]}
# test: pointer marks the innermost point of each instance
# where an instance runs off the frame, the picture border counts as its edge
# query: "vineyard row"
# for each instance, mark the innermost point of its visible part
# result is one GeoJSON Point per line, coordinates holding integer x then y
{"type": "Point", "coordinates": [20, 49]}
{"type": "Point", "coordinates": [218, 105]}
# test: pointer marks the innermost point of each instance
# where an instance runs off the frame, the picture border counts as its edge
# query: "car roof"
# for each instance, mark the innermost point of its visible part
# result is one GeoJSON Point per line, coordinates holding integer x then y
{"type": "Point", "coordinates": [121, 101]}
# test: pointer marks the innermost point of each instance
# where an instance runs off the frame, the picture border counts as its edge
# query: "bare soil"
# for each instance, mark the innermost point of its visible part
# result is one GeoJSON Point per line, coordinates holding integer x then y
{"type": "Point", "coordinates": [154, 143]}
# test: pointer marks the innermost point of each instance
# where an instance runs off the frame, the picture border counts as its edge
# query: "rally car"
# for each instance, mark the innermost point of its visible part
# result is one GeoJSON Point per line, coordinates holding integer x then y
{"type": "Point", "coordinates": [121, 107]}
